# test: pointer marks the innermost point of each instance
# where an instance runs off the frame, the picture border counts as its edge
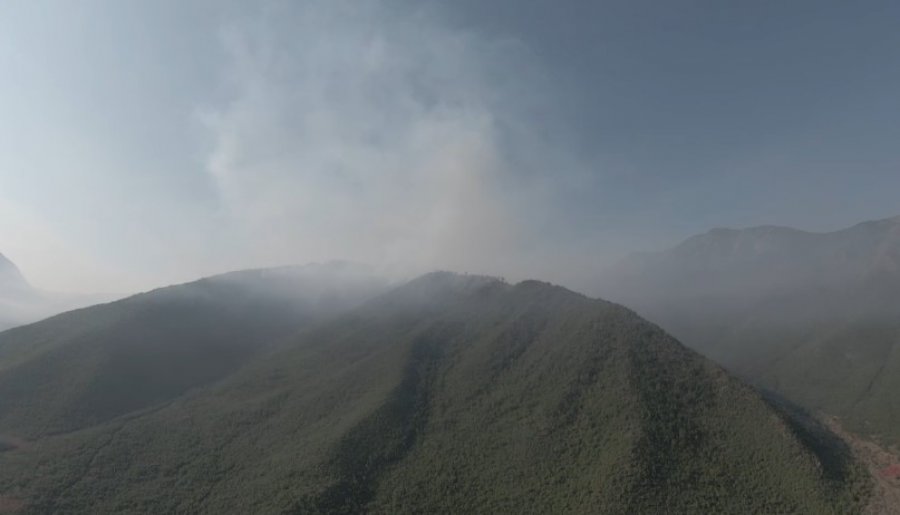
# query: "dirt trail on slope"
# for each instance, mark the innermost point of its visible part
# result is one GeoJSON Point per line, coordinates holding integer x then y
{"type": "Point", "coordinates": [883, 465]}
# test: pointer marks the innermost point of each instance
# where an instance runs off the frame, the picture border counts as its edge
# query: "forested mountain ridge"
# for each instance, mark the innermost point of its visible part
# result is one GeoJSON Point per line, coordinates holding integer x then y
{"type": "Point", "coordinates": [83, 367]}
{"type": "Point", "coordinates": [452, 393]}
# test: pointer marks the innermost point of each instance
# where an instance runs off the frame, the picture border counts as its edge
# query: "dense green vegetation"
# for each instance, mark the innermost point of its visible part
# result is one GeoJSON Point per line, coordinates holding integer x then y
{"type": "Point", "coordinates": [814, 317]}
{"type": "Point", "coordinates": [91, 365]}
{"type": "Point", "coordinates": [452, 394]}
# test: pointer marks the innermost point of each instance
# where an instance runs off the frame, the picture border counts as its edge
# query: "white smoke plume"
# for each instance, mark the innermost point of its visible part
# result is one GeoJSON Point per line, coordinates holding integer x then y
{"type": "Point", "coordinates": [370, 132]}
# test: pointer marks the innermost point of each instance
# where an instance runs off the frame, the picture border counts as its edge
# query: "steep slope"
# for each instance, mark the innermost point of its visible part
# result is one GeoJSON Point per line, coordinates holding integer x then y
{"type": "Point", "coordinates": [452, 394]}
{"type": "Point", "coordinates": [87, 366]}
{"type": "Point", "coordinates": [815, 317]}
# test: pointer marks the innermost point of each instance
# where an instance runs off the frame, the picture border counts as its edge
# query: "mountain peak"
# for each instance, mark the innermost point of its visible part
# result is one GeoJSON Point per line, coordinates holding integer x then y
{"type": "Point", "coordinates": [5, 262]}
{"type": "Point", "coordinates": [11, 279]}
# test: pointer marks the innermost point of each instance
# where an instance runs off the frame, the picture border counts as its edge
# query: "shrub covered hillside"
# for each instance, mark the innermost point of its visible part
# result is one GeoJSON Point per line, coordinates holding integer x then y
{"type": "Point", "coordinates": [92, 365]}
{"type": "Point", "coordinates": [453, 394]}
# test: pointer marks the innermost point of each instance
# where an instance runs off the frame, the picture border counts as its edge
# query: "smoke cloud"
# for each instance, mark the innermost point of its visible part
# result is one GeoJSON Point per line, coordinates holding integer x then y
{"type": "Point", "coordinates": [370, 132]}
{"type": "Point", "coordinates": [152, 143]}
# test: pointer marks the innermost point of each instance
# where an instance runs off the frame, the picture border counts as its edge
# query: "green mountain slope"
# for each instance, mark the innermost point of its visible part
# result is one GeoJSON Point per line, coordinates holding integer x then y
{"type": "Point", "coordinates": [452, 394]}
{"type": "Point", "coordinates": [815, 317]}
{"type": "Point", "coordinates": [91, 365]}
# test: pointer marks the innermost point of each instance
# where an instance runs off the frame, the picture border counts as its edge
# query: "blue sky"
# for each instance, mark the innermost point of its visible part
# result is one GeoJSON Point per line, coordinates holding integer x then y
{"type": "Point", "coordinates": [149, 143]}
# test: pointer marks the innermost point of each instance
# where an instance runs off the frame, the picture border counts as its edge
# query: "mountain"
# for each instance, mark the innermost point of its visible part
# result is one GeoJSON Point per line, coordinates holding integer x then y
{"type": "Point", "coordinates": [11, 280]}
{"type": "Point", "coordinates": [20, 303]}
{"type": "Point", "coordinates": [16, 295]}
{"type": "Point", "coordinates": [456, 394]}
{"type": "Point", "coordinates": [812, 316]}
{"type": "Point", "coordinates": [91, 365]}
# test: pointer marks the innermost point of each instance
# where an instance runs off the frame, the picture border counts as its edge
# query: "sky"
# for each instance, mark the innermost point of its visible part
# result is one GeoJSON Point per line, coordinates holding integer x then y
{"type": "Point", "coordinates": [150, 143]}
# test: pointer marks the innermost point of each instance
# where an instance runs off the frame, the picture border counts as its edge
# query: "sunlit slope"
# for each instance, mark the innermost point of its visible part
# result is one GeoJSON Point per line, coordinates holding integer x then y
{"type": "Point", "coordinates": [91, 365]}
{"type": "Point", "coordinates": [815, 317]}
{"type": "Point", "coordinates": [452, 394]}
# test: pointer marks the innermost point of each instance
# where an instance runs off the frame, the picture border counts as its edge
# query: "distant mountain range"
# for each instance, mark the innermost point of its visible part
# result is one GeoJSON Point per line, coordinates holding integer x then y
{"type": "Point", "coordinates": [21, 303]}
{"type": "Point", "coordinates": [283, 392]}
{"type": "Point", "coordinates": [812, 316]}
{"type": "Point", "coordinates": [16, 295]}
{"type": "Point", "coordinates": [11, 280]}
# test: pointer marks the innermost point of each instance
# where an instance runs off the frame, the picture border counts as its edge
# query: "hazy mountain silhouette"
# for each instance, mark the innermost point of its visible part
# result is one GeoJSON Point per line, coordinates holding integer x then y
{"type": "Point", "coordinates": [814, 316]}
{"type": "Point", "coordinates": [451, 393]}
{"type": "Point", "coordinates": [11, 280]}
{"type": "Point", "coordinates": [21, 303]}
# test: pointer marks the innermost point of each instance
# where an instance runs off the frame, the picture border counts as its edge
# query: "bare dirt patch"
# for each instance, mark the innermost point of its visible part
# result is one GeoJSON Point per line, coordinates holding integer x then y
{"type": "Point", "coordinates": [891, 472]}
{"type": "Point", "coordinates": [884, 467]}
{"type": "Point", "coordinates": [10, 504]}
